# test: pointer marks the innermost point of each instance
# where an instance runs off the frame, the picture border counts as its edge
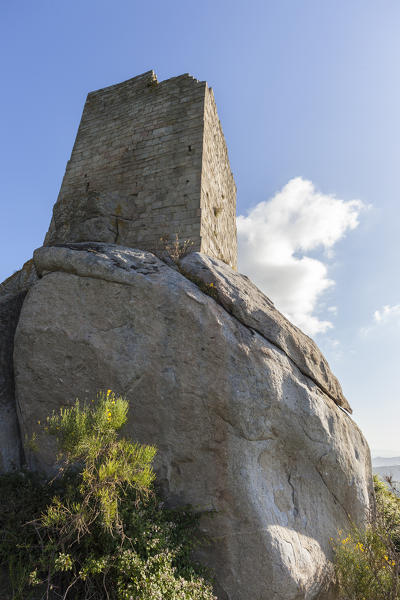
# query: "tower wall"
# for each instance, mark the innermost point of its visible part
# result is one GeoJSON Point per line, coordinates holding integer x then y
{"type": "Point", "coordinates": [218, 190]}
{"type": "Point", "coordinates": [149, 162]}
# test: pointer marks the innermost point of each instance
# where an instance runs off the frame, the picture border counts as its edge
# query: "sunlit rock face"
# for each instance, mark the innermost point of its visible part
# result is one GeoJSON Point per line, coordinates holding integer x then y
{"type": "Point", "coordinates": [241, 405]}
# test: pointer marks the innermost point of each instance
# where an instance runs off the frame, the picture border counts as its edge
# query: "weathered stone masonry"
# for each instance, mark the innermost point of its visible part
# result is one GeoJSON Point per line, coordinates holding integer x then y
{"type": "Point", "coordinates": [149, 161]}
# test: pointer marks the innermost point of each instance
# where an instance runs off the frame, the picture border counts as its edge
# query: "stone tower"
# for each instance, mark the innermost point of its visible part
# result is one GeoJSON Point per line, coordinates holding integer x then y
{"type": "Point", "coordinates": [149, 161]}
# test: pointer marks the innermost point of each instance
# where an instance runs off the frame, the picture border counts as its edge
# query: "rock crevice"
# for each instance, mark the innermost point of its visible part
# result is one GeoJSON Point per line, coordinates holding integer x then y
{"type": "Point", "coordinates": [240, 297]}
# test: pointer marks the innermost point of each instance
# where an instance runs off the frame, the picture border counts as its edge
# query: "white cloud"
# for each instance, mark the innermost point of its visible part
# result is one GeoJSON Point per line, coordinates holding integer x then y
{"type": "Point", "coordinates": [387, 314]}
{"type": "Point", "coordinates": [275, 237]}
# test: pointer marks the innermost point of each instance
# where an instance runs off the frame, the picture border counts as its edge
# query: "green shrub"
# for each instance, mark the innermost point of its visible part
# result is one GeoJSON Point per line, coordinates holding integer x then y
{"type": "Point", "coordinates": [367, 561]}
{"type": "Point", "coordinates": [98, 530]}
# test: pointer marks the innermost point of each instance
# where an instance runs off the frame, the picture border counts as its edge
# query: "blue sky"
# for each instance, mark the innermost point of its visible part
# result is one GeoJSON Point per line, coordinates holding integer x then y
{"type": "Point", "coordinates": [308, 93]}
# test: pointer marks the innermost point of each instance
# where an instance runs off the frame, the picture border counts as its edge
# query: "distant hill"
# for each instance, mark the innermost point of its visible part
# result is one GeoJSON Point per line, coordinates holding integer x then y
{"type": "Point", "coordinates": [392, 470]}
{"type": "Point", "coordinates": [380, 461]}
{"type": "Point", "coordinates": [383, 466]}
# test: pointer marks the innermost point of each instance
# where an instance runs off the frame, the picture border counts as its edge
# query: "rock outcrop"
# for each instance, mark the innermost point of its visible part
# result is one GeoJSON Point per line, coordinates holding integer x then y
{"type": "Point", "coordinates": [251, 425]}
{"type": "Point", "coordinates": [12, 294]}
{"type": "Point", "coordinates": [241, 405]}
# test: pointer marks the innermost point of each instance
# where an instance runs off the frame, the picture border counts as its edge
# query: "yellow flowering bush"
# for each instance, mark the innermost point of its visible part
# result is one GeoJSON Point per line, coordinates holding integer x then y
{"type": "Point", "coordinates": [367, 561]}
{"type": "Point", "coordinates": [98, 531]}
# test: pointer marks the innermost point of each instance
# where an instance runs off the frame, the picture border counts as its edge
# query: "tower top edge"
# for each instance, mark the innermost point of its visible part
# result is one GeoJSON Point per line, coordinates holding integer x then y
{"type": "Point", "coordinates": [148, 78]}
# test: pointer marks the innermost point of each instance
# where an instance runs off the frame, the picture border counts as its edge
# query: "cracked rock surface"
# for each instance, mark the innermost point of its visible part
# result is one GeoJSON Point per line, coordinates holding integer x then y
{"type": "Point", "coordinates": [247, 303]}
{"type": "Point", "coordinates": [241, 428]}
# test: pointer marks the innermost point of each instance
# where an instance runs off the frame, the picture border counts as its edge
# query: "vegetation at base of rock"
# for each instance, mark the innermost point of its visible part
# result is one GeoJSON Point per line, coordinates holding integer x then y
{"type": "Point", "coordinates": [367, 561]}
{"type": "Point", "coordinates": [172, 249]}
{"type": "Point", "coordinates": [98, 530]}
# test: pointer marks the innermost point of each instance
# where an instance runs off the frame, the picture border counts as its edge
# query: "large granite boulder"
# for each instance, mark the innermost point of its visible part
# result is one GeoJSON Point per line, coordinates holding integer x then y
{"type": "Point", "coordinates": [242, 406]}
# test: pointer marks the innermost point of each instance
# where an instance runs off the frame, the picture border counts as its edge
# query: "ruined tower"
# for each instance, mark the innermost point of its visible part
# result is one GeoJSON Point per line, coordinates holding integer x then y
{"type": "Point", "coordinates": [149, 162]}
